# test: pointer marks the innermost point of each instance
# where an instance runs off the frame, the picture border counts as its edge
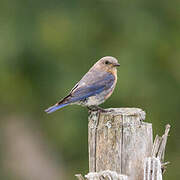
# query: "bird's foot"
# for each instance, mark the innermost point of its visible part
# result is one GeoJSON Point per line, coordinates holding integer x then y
{"type": "Point", "coordinates": [96, 108]}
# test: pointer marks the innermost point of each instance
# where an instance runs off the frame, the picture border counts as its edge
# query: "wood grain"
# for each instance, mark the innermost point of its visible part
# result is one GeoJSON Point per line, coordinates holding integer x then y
{"type": "Point", "coordinates": [119, 140]}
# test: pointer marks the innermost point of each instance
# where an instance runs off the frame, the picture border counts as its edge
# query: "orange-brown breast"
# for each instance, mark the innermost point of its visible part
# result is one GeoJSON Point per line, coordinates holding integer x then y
{"type": "Point", "coordinates": [113, 71]}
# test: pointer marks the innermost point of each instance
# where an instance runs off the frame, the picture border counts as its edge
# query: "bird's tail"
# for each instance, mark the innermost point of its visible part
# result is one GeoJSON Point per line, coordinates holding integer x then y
{"type": "Point", "coordinates": [55, 107]}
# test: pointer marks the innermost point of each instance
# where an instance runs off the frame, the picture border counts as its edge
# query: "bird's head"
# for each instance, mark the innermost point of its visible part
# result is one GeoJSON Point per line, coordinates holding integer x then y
{"type": "Point", "coordinates": [107, 63]}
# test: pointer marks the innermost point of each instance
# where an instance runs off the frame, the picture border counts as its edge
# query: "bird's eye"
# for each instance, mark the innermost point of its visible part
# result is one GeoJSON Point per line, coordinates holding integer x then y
{"type": "Point", "coordinates": [107, 62]}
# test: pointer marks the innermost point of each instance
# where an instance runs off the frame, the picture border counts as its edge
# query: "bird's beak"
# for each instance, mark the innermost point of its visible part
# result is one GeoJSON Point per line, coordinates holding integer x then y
{"type": "Point", "coordinates": [116, 64]}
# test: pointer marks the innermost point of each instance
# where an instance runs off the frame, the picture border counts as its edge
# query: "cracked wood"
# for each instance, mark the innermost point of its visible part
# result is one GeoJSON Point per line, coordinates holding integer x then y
{"type": "Point", "coordinates": [119, 140]}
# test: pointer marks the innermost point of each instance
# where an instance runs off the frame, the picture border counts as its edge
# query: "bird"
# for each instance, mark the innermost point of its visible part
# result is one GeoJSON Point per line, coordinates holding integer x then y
{"type": "Point", "coordinates": [94, 88]}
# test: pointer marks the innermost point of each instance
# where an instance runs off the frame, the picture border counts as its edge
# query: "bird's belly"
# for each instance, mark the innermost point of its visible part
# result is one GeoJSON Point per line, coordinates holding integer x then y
{"type": "Point", "coordinates": [94, 100]}
{"type": "Point", "coordinates": [91, 101]}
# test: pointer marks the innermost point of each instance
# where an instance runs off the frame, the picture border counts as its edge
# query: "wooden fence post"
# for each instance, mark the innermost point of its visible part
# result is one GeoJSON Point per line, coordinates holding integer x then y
{"type": "Point", "coordinates": [155, 166]}
{"type": "Point", "coordinates": [119, 142]}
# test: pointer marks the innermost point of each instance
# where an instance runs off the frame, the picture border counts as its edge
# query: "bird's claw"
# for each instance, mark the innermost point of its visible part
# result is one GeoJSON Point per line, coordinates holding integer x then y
{"type": "Point", "coordinates": [96, 108]}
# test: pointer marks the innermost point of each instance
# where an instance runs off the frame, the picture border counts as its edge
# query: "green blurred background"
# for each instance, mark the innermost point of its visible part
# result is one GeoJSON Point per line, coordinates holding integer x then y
{"type": "Point", "coordinates": [47, 46]}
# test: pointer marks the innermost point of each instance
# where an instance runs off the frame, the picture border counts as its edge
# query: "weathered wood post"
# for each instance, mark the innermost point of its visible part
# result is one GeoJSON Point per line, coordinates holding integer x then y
{"type": "Point", "coordinates": [119, 142]}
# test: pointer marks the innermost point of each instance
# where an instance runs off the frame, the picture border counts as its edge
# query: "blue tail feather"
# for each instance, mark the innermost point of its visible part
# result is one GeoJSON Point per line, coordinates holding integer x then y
{"type": "Point", "coordinates": [55, 107]}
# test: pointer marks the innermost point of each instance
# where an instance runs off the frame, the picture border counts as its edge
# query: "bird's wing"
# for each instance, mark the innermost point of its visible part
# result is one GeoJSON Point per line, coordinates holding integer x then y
{"type": "Point", "coordinates": [74, 87]}
{"type": "Point", "coordinates": [90, 85]}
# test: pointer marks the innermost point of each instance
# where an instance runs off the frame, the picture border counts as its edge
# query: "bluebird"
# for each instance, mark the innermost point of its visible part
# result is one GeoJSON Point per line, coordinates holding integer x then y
{"type": "Point", "coordinates": [94, 88]}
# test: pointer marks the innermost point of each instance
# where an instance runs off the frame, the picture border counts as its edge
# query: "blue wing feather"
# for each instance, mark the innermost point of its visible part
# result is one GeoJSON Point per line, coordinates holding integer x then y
{"type": "Point", "coordinates": [55, 107]}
